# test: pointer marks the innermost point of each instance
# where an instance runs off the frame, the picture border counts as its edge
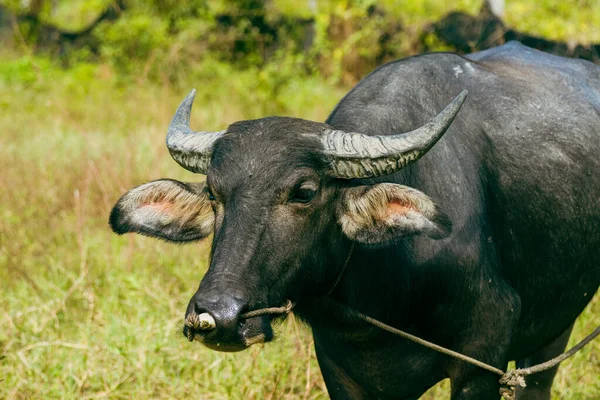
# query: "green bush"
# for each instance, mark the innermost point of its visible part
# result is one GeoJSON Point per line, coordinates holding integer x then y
{"type": "Point", "coordinates": [133, 40]}
{"type": "Point", "coordinates": [275, 41]}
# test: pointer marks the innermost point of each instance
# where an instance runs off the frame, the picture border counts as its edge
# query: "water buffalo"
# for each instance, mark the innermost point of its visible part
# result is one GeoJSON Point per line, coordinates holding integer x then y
{"type": "Point", "coordinates": [488, 245]}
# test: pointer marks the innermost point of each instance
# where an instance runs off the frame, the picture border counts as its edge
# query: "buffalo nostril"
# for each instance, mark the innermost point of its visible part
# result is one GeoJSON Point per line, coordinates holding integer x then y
{"type": "Point", "coordinates": [203, 322]}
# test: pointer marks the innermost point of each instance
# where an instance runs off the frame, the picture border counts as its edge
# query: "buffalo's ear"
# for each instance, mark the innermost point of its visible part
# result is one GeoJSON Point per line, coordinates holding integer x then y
{"type": "Point", "coordinates": [382, 213]}
{"type": "Point", "coordinates": [167, 209]}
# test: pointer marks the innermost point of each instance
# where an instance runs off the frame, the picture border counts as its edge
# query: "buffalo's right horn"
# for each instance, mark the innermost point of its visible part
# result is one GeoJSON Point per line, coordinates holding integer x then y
{"type": "Point", "coordinates": [191, 150]}
{"type": "Point", "coordinates": [356, 155]}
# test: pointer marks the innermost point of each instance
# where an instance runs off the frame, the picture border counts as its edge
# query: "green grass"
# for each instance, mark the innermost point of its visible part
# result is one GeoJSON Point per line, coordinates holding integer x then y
{"type": "Point", "coordinates": [87, 314]}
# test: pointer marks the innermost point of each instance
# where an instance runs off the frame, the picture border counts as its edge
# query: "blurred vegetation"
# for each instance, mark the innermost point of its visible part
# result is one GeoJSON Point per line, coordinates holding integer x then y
{"type": "Point", "coordinates": [341, 41]}
{"type": "Point", "coordinates": [87, 88]}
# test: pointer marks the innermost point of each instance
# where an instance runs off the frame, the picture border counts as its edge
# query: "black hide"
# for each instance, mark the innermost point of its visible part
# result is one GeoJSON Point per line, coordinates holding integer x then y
{"type": "Point", "coordinates": [518, 173]}
{"type": "Point", "coordinates": [518, 176]}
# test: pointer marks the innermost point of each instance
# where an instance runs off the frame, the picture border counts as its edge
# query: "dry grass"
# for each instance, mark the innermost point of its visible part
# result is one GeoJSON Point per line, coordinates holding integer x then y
{"type": "Point", "coordinates": [87, 314]}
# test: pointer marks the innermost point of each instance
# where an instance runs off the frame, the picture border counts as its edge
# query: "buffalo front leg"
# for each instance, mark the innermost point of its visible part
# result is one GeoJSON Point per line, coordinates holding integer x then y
{"type": "Point", "coordinates": [339, 384]}
{"type": "Point", "coordinates": [539, 385]}
{"type": "Point", "coordinates": [479, 385]}
{"type": "Point", "coordinates": [487, 338]}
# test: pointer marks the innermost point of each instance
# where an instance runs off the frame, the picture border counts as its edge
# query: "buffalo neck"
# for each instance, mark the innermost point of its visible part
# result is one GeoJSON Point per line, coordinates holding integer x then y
{"type": "Point", "coordinates": [376, 282]}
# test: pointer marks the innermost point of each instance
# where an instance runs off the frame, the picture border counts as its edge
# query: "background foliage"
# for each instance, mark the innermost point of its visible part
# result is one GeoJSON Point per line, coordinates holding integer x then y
{"type": "Point", "coordinates": [84, 104]}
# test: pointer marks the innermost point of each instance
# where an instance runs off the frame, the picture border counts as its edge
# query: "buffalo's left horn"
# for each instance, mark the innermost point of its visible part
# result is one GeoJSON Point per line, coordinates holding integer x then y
{"type": "Point", "coordinates": [191, 150]}
{"type": "Point", "coordinates": [356, 155]}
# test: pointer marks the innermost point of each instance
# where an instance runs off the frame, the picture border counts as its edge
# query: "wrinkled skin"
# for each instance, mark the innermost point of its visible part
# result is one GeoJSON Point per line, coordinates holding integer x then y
{"type": "Point", "coordinates": [493, 252]}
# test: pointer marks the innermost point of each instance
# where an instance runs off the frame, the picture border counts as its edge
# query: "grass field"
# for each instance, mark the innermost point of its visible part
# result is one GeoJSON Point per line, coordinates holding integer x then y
{"type": "Point", "coordinates": [87, 314]}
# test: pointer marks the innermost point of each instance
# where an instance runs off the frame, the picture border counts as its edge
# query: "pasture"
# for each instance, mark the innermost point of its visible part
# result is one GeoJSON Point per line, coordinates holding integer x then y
{"type": "Point", "coordinates": [87, 314]}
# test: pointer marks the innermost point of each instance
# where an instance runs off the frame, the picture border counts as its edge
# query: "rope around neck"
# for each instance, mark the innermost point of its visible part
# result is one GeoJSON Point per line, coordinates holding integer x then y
{"type": "Point", "coordinates": [509, 380]}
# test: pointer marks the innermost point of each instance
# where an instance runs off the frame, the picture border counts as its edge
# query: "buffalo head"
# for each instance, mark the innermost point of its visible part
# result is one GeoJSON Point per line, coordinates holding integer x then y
{"type": "Point", "coordinates": [283, 203]}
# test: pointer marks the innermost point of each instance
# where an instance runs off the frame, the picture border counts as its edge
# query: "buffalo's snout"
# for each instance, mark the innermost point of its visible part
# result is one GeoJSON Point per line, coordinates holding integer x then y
{"type": "Point", "coordinates": [217, 318]}
{"type": "Point", "coordinates": [226, 312]}
{"type": "Point", "coordinates": [216, 321]}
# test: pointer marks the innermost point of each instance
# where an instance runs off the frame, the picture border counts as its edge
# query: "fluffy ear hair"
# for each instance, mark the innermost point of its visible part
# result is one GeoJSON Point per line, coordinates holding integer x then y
{"type": "Point", "coordinates": [382, 213]}
{"type": "Point", "coordinates": [167, 209]}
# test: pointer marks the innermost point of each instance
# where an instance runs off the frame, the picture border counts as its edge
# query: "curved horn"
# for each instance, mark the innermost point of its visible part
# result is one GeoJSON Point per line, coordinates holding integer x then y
{"type": "Point", "coordinates": [355, 155]}
{"type": "Point", "coordinates": [191, 150]}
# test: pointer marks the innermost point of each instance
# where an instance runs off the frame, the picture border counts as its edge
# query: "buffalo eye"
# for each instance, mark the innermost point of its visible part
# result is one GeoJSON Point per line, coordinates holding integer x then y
{"type": "Point", "coordinates": [210, 194]}
{"type": "Point", "coordinates": [303, 193]}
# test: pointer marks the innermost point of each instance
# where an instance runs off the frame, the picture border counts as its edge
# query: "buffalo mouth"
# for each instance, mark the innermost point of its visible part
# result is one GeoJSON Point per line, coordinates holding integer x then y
{"type": "Point", "coordinates": [247, 333]}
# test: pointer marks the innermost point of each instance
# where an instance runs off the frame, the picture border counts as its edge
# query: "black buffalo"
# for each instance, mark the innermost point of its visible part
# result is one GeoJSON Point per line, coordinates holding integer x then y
{"type": "Point", "coordinates": [488, 245]}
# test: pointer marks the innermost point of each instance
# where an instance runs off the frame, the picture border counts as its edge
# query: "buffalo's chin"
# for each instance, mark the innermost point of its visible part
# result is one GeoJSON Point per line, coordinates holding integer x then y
{"type": "Point", "coordinates": [245, 342]}
{"type": "Point", "coordinates": [252, 331]}
{"type": "Point", "coordinates": [226, 347]}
